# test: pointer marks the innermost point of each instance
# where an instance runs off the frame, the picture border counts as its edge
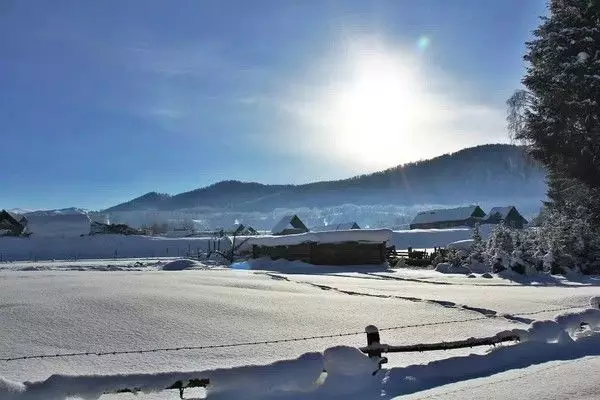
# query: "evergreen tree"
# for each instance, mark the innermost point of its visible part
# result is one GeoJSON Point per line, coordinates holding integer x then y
{"type": "Point", "coordinates": [562, 124]}
{"type": "Point", "coordinates": [558, 117]}
{"type": "Point", "coordinates": [476, 254]}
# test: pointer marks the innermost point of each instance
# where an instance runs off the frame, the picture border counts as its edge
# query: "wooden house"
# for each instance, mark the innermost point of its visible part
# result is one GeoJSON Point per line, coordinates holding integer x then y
{"type": "Point", "coordinates": [448, 218]}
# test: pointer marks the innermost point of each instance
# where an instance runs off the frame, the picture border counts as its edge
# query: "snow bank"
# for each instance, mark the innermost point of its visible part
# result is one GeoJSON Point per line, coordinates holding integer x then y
{"type": "Point", "coordinates": [447, 268]}
{"type": "Point", "coordinates": [466, 244]}
{"type": "Point", "coordinates": [353, 235]}
{"type": "Point", "coordinates": [256, 382]}
{"type": "Point", "coordinates": [100, 246]}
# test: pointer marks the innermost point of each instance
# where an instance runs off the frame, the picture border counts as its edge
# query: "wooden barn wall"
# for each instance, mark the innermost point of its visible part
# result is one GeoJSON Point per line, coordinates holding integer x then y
{"type": "Point", "coordinates": [347, 253]}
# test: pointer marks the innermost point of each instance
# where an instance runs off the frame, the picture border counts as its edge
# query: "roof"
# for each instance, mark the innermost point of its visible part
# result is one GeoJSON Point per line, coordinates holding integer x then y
{"type": "Point", "coordinates": [12, 218]}
{"type": "Point", "coordinates": [503, 211]}
{"type": "Point", "coordinates": [446, 214]}
{"type": "Point", "coordinates": [287, 222]}
{"type": "Point", "coordinates": [344, 226]}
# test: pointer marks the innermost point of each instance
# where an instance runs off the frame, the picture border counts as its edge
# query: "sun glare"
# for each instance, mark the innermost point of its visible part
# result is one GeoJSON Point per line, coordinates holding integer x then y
{"type": "Point", "coordinates": [374, 110]}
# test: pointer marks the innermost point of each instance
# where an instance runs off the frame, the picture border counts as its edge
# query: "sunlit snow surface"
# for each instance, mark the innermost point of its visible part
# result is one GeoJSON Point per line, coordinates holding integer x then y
{"type": "Point", "coordinates": [78, 308]}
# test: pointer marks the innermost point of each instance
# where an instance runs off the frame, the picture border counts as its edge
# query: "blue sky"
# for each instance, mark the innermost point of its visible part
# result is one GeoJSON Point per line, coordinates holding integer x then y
{"type": "Point", "coordinates": [102, 101]}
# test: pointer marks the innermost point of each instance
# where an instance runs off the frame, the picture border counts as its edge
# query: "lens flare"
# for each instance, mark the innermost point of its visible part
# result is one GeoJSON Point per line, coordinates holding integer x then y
{"type": "Point", "coordinates": [423, 43]}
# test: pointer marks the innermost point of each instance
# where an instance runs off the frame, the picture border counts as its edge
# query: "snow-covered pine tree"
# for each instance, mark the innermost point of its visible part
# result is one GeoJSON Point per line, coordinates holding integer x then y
{"type": "Point", "coordinates": [558, 117]}
{"type": "Point", "coordinates": [500, 246]}
{"type": "Point", "coordinates": [476, 256]}
{"type": "Point", "coordinates": [562, 124]}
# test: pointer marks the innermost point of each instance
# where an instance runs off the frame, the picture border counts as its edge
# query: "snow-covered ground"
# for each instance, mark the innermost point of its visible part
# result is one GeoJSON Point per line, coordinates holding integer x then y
{"type": "Point", "coordinates": [78, 307]}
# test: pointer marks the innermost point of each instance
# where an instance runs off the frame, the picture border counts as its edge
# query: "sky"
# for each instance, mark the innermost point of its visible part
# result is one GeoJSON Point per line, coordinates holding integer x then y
{"type": "Point", "coordinates": [103, 101]}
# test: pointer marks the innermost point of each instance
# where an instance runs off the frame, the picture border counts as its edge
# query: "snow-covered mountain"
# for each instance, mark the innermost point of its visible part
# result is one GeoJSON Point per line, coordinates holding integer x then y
{"type": "Point", "coordinates": [499, 173]}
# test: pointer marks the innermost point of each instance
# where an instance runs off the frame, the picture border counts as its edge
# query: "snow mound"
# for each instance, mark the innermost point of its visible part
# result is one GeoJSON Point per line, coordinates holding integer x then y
{"type": "Point", "coordinates": [180, 265]}
{"type": "Point", "coordinates": [10, 388]}
{"type": "Point", "coordinates": [447, 268]}
{"type": "Point", "coordinates": [466, 244]}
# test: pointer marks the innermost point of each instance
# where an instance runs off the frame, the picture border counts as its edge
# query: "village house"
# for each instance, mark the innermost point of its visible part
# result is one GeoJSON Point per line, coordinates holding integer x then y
{"type": "Point", "coordinates": [11, 225]}
{"type": "Point", "coordinates": [448, 218]}
{"type": "Point", "coordinates": [289, 225]}
{"type": "Point", "coordinates": [509, 215]}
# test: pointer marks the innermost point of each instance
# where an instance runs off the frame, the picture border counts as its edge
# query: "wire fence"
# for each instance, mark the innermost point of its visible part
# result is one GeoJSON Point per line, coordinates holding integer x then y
{"type": "Point", "coordinates": [265, 342]}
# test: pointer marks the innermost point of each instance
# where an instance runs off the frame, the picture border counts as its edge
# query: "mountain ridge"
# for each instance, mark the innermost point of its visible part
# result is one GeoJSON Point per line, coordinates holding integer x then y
{"type": "Point", "coordinates": [475, 173]}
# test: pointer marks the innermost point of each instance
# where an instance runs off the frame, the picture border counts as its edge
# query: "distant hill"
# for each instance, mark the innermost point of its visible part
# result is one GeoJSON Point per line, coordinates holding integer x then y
{"type": "Point", "coordinates": [497, 173]}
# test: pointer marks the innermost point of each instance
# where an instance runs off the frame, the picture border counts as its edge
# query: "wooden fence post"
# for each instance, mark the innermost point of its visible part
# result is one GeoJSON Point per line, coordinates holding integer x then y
{"type": "Point", "coordinates": [373, 341]}
{"type": "Point", "coordinates": [374, 347]}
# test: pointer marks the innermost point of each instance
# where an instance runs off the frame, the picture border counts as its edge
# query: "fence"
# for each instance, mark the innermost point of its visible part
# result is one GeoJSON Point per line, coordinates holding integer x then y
{"type": "Point", "coordinates": [412, 257]}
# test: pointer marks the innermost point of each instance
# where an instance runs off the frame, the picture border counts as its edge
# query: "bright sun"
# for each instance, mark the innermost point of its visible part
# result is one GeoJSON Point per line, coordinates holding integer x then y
{"type": "Point", "coordinates": [374, 111]}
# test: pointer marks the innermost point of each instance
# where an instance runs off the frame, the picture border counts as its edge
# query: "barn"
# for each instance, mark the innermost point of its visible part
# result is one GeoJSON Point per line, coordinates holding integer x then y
{"type": "Point", "coordinates": [351, 247]}
{"type": "Point", "coordinates": [448, 218]}
{"type": "Point", "coordinates": [508, 214]}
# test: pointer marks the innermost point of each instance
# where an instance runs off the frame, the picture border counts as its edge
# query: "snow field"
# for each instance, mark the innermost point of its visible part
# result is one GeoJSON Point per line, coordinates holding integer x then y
{"type": "Point", "coordinates": [349, 372]}
{"type": "Point", "coordinates": [48, 312]}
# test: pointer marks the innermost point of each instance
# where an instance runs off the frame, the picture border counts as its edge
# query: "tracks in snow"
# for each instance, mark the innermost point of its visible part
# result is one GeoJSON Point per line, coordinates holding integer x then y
{"type": "Point", "coordinates": [485, 312]}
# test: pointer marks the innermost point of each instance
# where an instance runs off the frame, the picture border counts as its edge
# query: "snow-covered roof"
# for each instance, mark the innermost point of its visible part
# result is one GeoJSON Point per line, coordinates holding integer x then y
{"type": "Point", "coordinates": [347, 226]}
{"type": "Point", "coordinates": [344, 226]}
{"type": "Point", "coordinates": [10, 215]}
{"type": "Point", "coordinates": [447, 214]}
{"type": "Point", "coordinates": [502, 211]}
{"type": "Point", "coordinates": [289, 222]}
{"type": "Point", "coordinates": [353, 235]}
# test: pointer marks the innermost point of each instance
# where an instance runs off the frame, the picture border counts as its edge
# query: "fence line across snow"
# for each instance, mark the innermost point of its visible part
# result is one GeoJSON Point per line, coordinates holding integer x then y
{"type": "Point", "coordinates": [262, 342]}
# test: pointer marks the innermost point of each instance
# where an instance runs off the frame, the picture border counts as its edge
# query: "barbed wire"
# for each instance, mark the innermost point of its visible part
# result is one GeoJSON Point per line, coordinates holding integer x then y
{"type": "Point", "coordinates": [262, 342]}
{"type": "Point", "coordinates": [550, 310]}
